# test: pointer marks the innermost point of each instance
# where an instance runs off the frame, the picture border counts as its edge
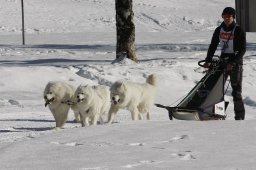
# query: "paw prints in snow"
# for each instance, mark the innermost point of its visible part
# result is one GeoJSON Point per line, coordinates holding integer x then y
{"type": "Point", "coordinates": [185, 156]}
{"type": "Point", "coordinates": [67, 144]}
{"type": "Point", "coordinates": [140, 163]}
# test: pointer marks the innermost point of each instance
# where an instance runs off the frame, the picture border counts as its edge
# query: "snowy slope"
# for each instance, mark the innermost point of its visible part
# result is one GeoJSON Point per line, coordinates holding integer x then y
{"type": "Point", "coordinates": [58, 16]}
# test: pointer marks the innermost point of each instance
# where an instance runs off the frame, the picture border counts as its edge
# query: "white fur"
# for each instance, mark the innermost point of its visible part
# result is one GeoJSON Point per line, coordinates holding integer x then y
{"type": "Point", "coordinates": [138, 98]}
{"type": "Point", "coordinates": [56, 95]}
{"type": "Point", "coordinates": [92, 103]}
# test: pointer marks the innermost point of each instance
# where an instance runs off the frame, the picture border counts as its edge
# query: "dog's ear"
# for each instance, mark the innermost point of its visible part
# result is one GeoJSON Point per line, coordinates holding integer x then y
{"type": "Point", "coordinates": [123, 86]}
{"type": "Point", "coordinates": [78, 88]}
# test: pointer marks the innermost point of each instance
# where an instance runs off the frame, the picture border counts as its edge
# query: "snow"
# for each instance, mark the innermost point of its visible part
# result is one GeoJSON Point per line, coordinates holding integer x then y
{"type": "Point", "coordinates": [74, 41]}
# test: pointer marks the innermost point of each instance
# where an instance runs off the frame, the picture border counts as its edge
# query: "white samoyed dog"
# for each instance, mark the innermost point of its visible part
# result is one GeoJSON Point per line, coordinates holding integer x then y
{"type": "Point", "coordinates": [92, 103]}
{"type": "Point", "coordinates": [58, 95]}
{"type": "Point", "coordinates": [138, 98]}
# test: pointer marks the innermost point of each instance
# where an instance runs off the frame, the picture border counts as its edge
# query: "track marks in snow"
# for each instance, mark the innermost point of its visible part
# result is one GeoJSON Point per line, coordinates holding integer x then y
{"type": "Point", "coordinates": [72, 144]}
{"type": "Point", "coordinates": [136, 144]}
{"type": "Point", "coordinates": [101, 144]}
{"type": "Point", "coordinates": [140, 163]}
{"type": "Point", "coordinates": [180, 137]}
{"type": "Point", "coordinates": [248, 101]}
{"type": "Point", "coordinates": [144, 162]}
{"type": "Point", "coordinates": [95, 168]}
{"type": "Point", "coordinates": [94, 73]}
{"type": "Point", "coordinates": [185, 156]}
{"type": "Point", "coordinates": [164, 145]}
{"type": "Point", "coordinates": [107, 74]}
{"type": "Point", "coordinates": [10, 102]}
{"type": "Point", "coordinates": [127, 166]}
{"type": "Point", "coordinates": [91, 144]}
{"type": "Point", "coordinates": [145, 5]}
{"type": "Point", "coordinates": [174, 139]}
{"type": "Point", "coordinates": [151, 19]}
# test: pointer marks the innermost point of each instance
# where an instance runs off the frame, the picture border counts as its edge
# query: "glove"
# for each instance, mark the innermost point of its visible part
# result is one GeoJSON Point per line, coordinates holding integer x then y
{"type": "Point", "coordinates": [206, 65]}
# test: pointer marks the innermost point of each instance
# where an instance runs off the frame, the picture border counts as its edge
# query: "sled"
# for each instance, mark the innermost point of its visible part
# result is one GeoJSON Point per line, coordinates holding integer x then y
{"type": "Point", "coordinates": [206, 100]}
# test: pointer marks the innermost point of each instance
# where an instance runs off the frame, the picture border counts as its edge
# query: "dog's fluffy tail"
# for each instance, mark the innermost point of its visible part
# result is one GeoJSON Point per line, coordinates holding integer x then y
{"type": "Point", "coordinates": [152, 79]}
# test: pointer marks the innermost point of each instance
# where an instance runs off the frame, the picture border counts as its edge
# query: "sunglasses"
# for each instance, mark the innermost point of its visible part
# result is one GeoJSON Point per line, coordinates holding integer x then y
{"type": "Point", "coordinates": [227, 16]}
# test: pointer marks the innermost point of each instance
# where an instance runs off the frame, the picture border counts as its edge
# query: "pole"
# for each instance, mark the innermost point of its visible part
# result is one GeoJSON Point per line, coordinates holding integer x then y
{"type": "Point", "coordinates": [23, 29]}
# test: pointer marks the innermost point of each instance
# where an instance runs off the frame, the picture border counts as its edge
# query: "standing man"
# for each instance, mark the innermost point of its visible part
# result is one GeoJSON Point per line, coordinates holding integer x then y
{"type": "Point", "coordinates": [232, 40]}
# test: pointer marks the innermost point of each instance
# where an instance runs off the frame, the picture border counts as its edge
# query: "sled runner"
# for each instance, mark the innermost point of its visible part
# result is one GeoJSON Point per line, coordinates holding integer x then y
{"type": "Point", "coordinates": [206, 100]}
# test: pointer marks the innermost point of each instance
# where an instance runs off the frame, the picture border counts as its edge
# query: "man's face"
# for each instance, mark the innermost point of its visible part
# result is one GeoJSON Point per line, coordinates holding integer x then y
{"type": "Point", "coordinates": [228, 19]}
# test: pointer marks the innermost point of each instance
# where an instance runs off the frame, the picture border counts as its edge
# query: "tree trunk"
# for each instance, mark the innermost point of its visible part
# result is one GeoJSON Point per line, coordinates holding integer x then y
{"type": "Point", "coordinates": [125, 30]}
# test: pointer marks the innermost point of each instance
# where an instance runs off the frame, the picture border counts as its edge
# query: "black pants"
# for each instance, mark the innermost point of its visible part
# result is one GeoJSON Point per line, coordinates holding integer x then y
{"type": "Point", "coordinates": [236, 84]}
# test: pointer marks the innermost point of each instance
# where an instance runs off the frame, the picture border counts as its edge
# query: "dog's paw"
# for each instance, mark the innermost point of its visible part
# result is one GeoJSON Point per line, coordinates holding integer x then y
{"type": "Point", "coordinates": [108, 123]}
{"type": "Point", "coordinates": [58, 128]}
{"type": "Point", "coordinates": [76, 121]}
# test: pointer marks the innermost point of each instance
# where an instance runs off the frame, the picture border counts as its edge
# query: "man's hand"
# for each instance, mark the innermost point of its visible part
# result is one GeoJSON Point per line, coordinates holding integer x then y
{"type": "Point", "coordinates": [229, 68]}
{"type": "Point", "coordinates": [206, 65]}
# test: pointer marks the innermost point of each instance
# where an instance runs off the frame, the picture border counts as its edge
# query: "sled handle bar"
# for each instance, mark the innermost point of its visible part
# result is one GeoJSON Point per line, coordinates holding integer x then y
{"type": "Point", "coordinates": [212, 63]}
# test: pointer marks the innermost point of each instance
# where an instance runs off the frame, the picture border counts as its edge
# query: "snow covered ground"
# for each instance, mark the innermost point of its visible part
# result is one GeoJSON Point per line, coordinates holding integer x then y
{"type": "Point", "coordinates": [74, 41]}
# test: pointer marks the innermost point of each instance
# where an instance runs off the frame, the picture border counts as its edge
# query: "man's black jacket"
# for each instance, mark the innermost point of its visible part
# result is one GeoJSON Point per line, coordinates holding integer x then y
{"type": "Point", "coordinates": [239, 43]}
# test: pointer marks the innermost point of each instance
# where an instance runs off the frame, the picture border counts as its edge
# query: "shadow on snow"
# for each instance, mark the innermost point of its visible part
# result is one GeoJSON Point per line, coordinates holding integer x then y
{"type": "Point", "coordinates": [105, 48]}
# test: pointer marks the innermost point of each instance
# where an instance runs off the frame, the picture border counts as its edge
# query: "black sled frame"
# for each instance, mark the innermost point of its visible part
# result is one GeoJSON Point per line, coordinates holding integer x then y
{"type": "Point", "coordinates": [206, 100]}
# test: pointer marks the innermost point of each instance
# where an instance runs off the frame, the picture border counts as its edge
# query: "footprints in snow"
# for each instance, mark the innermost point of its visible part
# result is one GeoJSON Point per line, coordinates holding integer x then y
{"type": "Point", "coordinates": [136, 144]}
{"type": "Point", "coordinates": [181, 155]}
{"type": "Point", "coordinates": [95, 168]}
{"type": "Point", "coordinates": [98, 144]}
{"type": "Point", "coordinates": [140, 163]}
{"type": "Point", "coordinates": [176, 138]}
{"type": "Point", "coordinates": [127, 166]}
{"type": "Point", "coordinates": [248, 101]}
{"type": "Point", "coordinates": [94, 73]}
{"type": "Point", "coordinates": [185, 155]}
{"type": "Point", "coordinates": [73, 144]}
{"type": "Point", "coordinates": [145, 5]}
{"type": "Point", "coordinates": [10, 102]}
{"type": "Point", "coordinates": [67, 144]}
{"type": "Point", "coordinates": [99, 74]}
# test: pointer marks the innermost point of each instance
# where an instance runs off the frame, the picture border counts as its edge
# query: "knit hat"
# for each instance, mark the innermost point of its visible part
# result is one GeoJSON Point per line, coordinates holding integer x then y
{"type": "Point", "coordinates": [229, 11]}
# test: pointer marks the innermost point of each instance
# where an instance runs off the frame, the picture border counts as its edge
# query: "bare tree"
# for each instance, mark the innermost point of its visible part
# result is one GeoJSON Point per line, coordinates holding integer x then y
{"type": "Point", "coordinates": [125, 30]}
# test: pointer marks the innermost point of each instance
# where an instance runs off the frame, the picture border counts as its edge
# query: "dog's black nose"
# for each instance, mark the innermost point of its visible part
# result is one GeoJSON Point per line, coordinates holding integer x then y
{"type": "Point", "coordinates": [45, 97]}
{"type": "Point", "coordinates": [113, 98]}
